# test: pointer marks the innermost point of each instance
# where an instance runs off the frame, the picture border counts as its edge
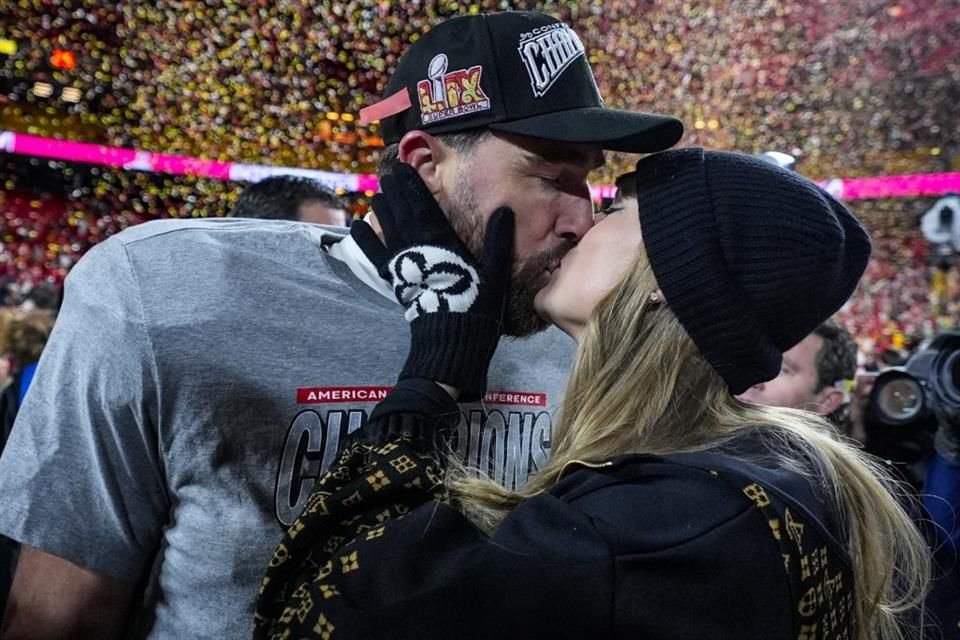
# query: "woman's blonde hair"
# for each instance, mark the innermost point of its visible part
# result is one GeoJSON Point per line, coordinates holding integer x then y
{"type": "Point", "coordinates": [639, 385]}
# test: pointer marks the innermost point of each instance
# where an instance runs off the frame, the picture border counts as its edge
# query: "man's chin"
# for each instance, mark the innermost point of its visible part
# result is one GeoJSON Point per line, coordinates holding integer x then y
{"type": "Point", "coordinates": [522, 317]}
{"type": "Point", "coordinates": [525, 327]}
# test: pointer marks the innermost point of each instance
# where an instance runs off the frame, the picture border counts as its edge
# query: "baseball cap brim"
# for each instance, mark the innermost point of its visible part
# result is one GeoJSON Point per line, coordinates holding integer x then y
{"type": "Point", "coordinates": [612, 129]}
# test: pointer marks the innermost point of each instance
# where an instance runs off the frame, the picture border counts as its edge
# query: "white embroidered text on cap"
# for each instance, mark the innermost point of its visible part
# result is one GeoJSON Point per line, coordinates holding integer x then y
{"type": "Point", "coordinates": [547, 52]}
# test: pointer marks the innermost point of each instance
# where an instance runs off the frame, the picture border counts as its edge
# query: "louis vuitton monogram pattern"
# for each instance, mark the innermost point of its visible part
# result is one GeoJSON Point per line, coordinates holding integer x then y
{"type": "Point", "coordinates": [349, 516]}
{"type": "Point", "coordinates": [353, 503]}
{"type": "Point", "coordinates": [822, 585]}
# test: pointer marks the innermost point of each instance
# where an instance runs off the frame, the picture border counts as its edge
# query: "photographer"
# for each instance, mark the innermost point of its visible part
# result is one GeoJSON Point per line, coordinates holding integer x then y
{"type": "Point", "coordinates": [910, 416]}
{"type": "Point", "coordinates": [892, 417]}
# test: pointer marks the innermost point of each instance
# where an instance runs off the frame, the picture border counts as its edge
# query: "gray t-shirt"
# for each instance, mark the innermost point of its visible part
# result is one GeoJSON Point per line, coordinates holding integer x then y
{"type": "Point", "coordinates": [198, 380]}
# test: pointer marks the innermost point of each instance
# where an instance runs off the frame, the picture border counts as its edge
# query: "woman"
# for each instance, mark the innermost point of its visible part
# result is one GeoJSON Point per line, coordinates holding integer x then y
{"type": "Point", "coordinates": [668, 509]}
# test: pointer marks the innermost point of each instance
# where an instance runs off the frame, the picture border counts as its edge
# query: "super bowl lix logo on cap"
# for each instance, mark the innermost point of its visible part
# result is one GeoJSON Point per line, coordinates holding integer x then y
{"type": "Point", "coordinates": [547, 52]}
{"type": "Point", "coordinates": [448, 95]}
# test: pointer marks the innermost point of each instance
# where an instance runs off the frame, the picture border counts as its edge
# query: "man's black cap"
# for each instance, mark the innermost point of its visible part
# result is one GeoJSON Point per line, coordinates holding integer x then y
{"type": "Point", "coordinates": [518, 72]}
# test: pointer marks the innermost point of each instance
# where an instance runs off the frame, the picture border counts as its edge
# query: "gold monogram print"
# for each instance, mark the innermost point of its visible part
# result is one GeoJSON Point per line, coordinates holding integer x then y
{"type": "Point", "coordinates": [303, 575]}
{"type": "Point", "coordinates": [823, 590]}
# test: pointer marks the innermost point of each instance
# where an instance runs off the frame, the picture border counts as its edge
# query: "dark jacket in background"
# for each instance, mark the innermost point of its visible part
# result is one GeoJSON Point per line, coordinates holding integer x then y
{"type": "Point", "coordinates": [9, 405]}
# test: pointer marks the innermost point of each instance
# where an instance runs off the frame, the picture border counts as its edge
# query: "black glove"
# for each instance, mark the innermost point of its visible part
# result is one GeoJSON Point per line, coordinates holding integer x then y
{"type": "Point", "coordinates": [454, 302]}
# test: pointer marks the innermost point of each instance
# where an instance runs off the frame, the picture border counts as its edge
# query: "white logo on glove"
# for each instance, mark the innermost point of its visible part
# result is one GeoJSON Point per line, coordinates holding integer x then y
{"type": "Point", "coordinates": [428, 279]}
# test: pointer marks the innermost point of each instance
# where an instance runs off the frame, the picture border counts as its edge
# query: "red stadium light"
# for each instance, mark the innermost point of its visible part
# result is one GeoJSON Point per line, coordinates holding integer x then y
{"type": "Point", "coordinates": [62, 59]}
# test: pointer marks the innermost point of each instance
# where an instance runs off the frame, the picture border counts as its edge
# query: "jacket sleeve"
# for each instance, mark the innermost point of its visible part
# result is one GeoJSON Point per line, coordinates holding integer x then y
{"type": "Point", "coordinates": [386, 470]}
{"type": "Point", "coordinates": [432, 574]}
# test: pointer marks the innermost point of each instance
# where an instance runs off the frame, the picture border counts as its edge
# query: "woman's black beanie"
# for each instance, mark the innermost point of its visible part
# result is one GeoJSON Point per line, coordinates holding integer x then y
{"type": "Point", "coordinates": [750, 257]}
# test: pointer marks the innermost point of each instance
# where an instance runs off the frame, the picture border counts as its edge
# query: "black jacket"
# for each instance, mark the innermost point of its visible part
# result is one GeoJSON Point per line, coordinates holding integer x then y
{"type": "Point", "coordinates": [9, 406]}
{"type": "Point", "coordinates": [692, 546]}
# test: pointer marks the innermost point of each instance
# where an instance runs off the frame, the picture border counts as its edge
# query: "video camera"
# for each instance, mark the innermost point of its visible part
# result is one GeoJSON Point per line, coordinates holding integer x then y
{"type": "Point", "coordinates": [907, 402]}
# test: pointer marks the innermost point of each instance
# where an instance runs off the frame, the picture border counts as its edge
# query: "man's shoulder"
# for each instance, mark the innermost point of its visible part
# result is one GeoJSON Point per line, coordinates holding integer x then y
{"type": "Point", "coordinates": [208, 251]}
{"type": "Point", "coordinates": [198, 230]}
{"type": "Point", "coordinates": [191, 269]}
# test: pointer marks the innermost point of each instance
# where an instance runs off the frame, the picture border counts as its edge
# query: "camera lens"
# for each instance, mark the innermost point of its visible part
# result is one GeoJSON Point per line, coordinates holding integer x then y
{"type": "Point", "coordinates": [900, 399]}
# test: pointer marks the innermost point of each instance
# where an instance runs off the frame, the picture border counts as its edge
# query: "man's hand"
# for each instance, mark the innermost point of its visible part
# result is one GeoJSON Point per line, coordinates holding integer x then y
{"type": "Point", "coordinates": [863, 383]}
{"type": "Point", "coordinates": [453, 301]}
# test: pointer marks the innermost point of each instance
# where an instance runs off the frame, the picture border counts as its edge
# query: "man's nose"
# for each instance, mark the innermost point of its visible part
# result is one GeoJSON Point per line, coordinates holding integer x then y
{"type": "Point", "coordinates": [575, 218]}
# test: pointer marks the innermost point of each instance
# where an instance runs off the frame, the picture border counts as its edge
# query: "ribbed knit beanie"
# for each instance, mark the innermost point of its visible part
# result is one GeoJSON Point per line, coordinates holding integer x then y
{"type": "Point", "coordinates": [750, 257]}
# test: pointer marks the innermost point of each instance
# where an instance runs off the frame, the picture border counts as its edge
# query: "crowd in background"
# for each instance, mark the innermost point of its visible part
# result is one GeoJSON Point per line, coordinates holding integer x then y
{"type": "Point", "coordinates": [850, 89]}
{"type": "Point", "coordinates": [859, 88]}
{"type": "Point", "coordinates": [909, 293]}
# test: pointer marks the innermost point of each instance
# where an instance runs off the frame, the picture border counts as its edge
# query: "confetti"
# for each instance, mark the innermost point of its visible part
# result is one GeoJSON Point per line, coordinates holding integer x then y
{"type": "Point", "coordinates": [850, 89]}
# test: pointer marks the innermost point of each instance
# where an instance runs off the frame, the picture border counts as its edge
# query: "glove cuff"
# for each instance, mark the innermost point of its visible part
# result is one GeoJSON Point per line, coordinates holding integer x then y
{"type": "Point", "coordinates": [453, 348]}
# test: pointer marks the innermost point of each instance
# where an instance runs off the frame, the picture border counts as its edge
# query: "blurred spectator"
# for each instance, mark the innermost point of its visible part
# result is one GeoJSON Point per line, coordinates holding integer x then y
{"type": "Point", "coordinates": [814, 374]}
{"type": "Point", "coordinates": [291, 198]}
{"type": "Point", "coordinates": [44, 297]}
{"type": "Point", "coordinates": [23, 334]}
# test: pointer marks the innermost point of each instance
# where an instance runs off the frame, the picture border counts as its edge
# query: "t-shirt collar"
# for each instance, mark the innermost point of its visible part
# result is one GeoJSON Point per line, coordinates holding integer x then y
{"type": "Point", "coordinates": [347, 250]}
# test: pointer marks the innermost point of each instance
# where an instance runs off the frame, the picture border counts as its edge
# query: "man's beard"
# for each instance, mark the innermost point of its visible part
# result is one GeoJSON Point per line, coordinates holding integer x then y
{"type": "Point", "coordinates": [528, 276]}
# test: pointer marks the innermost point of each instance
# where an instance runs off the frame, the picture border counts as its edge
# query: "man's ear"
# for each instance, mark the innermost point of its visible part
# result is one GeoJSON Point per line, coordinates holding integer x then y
{"type": "Point", "coordinates": [828, 400]}
{"type": "Point", "coordinates": [426, 154]}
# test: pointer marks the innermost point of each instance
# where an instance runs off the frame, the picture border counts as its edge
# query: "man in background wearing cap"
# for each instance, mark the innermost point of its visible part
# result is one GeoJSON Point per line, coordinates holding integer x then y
{"type": "Point", "coordinates": [151, 451]}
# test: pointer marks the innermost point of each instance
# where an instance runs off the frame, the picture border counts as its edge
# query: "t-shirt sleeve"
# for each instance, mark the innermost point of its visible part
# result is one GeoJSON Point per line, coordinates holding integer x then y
{"type": "Point", "coordinates": [81, 475]}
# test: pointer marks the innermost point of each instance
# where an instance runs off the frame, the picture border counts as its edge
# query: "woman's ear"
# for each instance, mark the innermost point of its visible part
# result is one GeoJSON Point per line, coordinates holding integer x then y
{"type": "Point", "coordinates": [425, 153]}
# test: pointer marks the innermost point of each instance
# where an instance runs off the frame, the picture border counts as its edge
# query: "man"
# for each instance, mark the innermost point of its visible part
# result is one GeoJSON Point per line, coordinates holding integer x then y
{"type": "Point", "coordinates": [810, 373]}
{"type": "Point", "coordinates": [291, 198]}
{"type": "Point", "coordinates": [197, 384]}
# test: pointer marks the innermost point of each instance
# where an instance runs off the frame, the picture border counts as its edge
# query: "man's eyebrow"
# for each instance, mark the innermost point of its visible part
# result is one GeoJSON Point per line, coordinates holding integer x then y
{"type": "Point", "coordinates": [565, 155]}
